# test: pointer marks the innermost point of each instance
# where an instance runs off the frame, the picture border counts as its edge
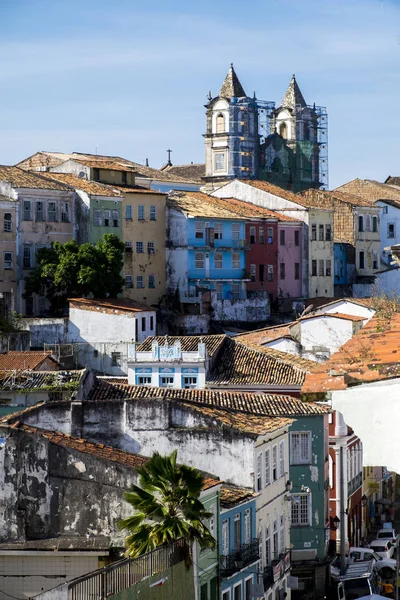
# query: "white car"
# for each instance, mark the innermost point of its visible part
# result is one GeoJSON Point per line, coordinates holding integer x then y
{"type": "Point", "coordinates": [386, 567]}
{"type": "Point", "coordinates": [387, 534]}
{"type": "Point", "coordinates": [383, 547]}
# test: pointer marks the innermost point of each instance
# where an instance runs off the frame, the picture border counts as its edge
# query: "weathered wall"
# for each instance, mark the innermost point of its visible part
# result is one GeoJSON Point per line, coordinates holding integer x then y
{"type": "Point", "coordinates": [46, 331]}
{"type": "Point", "coordinates": [103, 326]}
{"type": "Point", "coordinates": [324, 334]}
{"type": "Point", "coordinates": [58, 593]}
{"type": "Point", "coordinates": [17, 340]}
{"type": "Point", "coordinates": [347, 308]}
{"type": "Point", "coordinates": [244, 310]}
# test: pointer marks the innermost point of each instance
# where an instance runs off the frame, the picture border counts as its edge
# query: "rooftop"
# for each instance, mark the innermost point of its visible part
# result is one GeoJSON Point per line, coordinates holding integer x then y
{"type": "Point", "coordinates": [189, 343]}
{"type": "Point", "coordinates": [265, 334]}
{"type": "Point", "coordinates": [114, 304]}
{"type": "Point", "coordinates": [320, 303]}
{"type": "Point", "coordinates": [336, 315]}
{"type": "Point", "coordinates": [198, 204]}
{"type": "Point", "coordinates": [327, 199]}
{"type": "Point", "coordinates": [271, 405]}
{"type": "Point", "coordinates": [18, 178]}
{"type": "Point", "coordinates": [90, 187]}
{"type": "Point", "coordinates": [232, 88]}
{"type": "Point", "coordinates": [293, 96]}
{"type": "Point", "coordinates": [270, 188]}
{"type": "Point", "coordinates": [372, 191]}
{"type": "Point", "coordinates": [371, 355]}
{"type": "Point", "coordinates": [231, 495]}
{"type": "Point", "coordinates": [24, 360]}
{"type": "Point", "coordinates": [252, 211]}
{"type": "Point", "coordinates": [56, 381]}
{"type": "Point", "coordinates": [192, 171]}
{"type": "Point", "coordinates": [393, 180]}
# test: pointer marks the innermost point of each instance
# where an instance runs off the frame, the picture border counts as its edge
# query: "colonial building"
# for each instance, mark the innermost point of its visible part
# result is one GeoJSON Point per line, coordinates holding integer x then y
{"type": "Point", "coordinates": [317, 239]}
{"type": "Point", "coordinates": [247, 138]}
{"type": "Point", "coordinates": [9, 213]}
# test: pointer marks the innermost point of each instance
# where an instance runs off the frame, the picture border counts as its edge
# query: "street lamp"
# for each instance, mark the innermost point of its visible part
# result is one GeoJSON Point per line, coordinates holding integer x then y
{"type": "Point", "coordinates": [336, 522]}
{"type": "Point", "coordinates": [364, 500]}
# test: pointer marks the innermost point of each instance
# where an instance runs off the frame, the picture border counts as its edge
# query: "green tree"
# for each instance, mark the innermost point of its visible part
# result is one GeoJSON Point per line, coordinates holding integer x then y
{"type": "Point", "coordinates": [69, 269]}
{"type": "Point", "coordinates": [167, 507]}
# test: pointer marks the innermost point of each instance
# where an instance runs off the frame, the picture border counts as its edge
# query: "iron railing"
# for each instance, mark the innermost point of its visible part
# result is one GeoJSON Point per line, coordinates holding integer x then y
{"type": "Point", "coordinates": [103, 583]}
{"type": "Point", "coordinates": [354, 484]}
{"type": "Point", "coordinates": [236, 560]}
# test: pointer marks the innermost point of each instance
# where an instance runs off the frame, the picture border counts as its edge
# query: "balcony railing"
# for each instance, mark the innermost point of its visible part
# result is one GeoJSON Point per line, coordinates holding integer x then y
{"type": "Point", "coordinates": [354, 484]}
{"type": "Point", "coordinates": [240, 558]}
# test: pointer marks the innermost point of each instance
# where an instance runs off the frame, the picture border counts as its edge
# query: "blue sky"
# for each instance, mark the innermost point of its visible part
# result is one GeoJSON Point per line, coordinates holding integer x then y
{"type": "Point", "coordinates": [131, 78]}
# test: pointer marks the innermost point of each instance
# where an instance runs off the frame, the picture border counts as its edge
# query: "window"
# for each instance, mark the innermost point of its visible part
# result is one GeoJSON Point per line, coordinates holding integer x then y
{"type": "Point", "coordinates": [217, 260]}
{"type": "Point", "coordinates": [237, 592]}
{"type": "Point", "coordinates": [259, 477]}
{"type": "Point", "coordinates": [27, 211]}
{"type": "Point", "coordinates": [7, 222]}
{"type": "Point", "coordinates": [115, 218]}
{"type": "Point", "coordinates": [150, 248]}
{"type": "Point", "coordinates": [204, 592]}
{"type": "Point", "coordinates": [252, 272]}
{"type": "Point", "coordinates": [276, 541]}
{"type": "Point", "coordinates": [107, 218]}
{"type": "Point", "coordinates": [199, 230]}
{"type": "Point", "coordinates": [220, 123]}
{"type": "Point", "coordinates": [375, 224]}
{"type": "Point", "coordinates": [199, 260]}
{"type": "Point", "coordinates": [321, 233]}
{"type": "Point", "coordinates": [151, 323]}
{"type": "Point", "coordinates": [65, 212]}
{"type": "Point", "coordinates": [143, 323]}
{"type": "Point", "coordinates": [270, 272]}
{"type": "Point", "coordinates": [261, 239]}
{"type": "Point", "coordinates": [313, 232]}
{"type": "Point", "coordinates": [236, 231]}
{"type": "Point", "coordinates": [116, 359]}
{"type": "Point", "coordinates": [270, 235]}
{"type": "Point", "coordinates": [139, 282]}
{"type": "Point", "coordinates": [321, 268]}
{"type": "Point", "coordinates": [267, 467]}
{"type": "Point", "coordinates": [218, 231]}
{"type": "Point", "coordinates": [297, 238]}
{"type": "Point", "coordinates": [39, 210]}
{"type": "Point", "coordinates": [97, 217]}
{"type": "Point", "coordinates": [252, 235]}
{"type": "Point", "coordinates": [267, 546]}
{"type": "Point", "coordinates": [140, 212]}
{"type": "Point", "coordinates": [282, 271]}
{"type": "Point", "coordinates": [29, 306]}
{"type": "Point", "coordinates": [261, 270]}
{"type": "Point", "coordinates": [237, 538]}
{"type": "Point", "coordinates": [391, 230]}
{"type": "Point", "coordinates": [361, 259]}
{"type": "Point", "coordinates": [128, 211]}
{"type": "Point", "coordinates": [152, 282]}
{"type": "Point", "coordinates": [297, 270]}
{"type": "Point", "coordinates": [360, 223]}
{"type": "Point", "coordinates": [248, 584]}
{"type": "Point", "coordinates": [235, 291]}
{"type": "Point", "coordinates": [96, 174]}
{"type": "Point", "coordinates": [235, 260]}
{"type": "Point", "coordinates": [313, 268]}
{"type": "Point", "coordinates": [225, 538]}
{"type": "Point", "coordinates": [247, 526]}
{"type": "Point", "coordinates": [282, 535]}
{"type": "Point", "coordinates": [368, 223]}
{"type": "Point", "coordinates": [375, 262]}
{"type": "Point", "coordinates": [219, 164]}
{"type": "Point", "coordinates": [139, 247]}
{"type": "Point", "coordinates": [328, 233]}
{"type": "Point", "coordinates": [128, 281]}
{"type": "Point", "coordinates": [282, 237]}
{"type": "Point", "coordinates": [124, 177]}
{"type": "Point", "coordinates": [274, 463]}
{"type": "Point", "coordinates": [167, 381]}
{"type": "Point", "coordinates": [143, 380]}
{"type": "Point", "coordinates": [189, 382]}
{"type": "Point", "coordinates": [219, 290]}
{"type": "Point", "coordinates": [52, 211]}
{"type": "Point", "coordinates": [27, 256]}
{"type": "Point", "coordinates": [283, 130]}
{"type": "Point", "coordinates": [300, 447]}
{"type": "Point", "coordinates": [328, 267]}
{"type": "Point", "coordinates": [281, 459]}
{"type": "Point", "coordinates": [8, 260]}
{"type": "Point", "coordinates": [128, 246]}
{"type": "Point", "coordinates": [301, 510]}
{"type": "Point", "coordinates": [153, 213]}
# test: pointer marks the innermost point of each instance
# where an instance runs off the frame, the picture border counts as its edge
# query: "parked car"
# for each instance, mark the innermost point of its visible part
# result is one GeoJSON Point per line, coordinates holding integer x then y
{"type": "Point", "coordinates": [359, 580]}
{"type": "Point", "coordinates": [386, 567]}
{"type": "Point", "coordinates": [387, 534]}
{"type": "Point", "coordinates": [383, 547]}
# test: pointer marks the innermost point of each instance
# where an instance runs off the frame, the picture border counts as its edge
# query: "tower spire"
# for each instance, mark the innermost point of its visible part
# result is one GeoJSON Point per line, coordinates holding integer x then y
{"type": "Point", "coordinates": [293, 95]}
{"type": "Point", "coordinates": [232, 88]}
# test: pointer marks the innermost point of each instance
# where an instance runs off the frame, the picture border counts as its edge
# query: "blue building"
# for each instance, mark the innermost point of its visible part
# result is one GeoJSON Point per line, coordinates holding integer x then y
{"type": "Point", "coordinates": [340, 251]}
{"type": "Point", "coordinates": [239, 554]}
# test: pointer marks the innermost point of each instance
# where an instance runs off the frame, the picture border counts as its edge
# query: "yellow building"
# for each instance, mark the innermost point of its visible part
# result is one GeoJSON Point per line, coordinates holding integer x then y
{"type": "Point", "coordinates": [8, 255]}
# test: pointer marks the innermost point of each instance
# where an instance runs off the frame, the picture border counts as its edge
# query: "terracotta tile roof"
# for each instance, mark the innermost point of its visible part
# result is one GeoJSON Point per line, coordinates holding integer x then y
{"type": "Point", "coordinates": [113, 304]}
{"type": "Point", "coordinates": [90, 187]}
{"type": "Point", "coordinates": [198, 204]}
{"type": "Point", "coordinates": [393, 180]}
{"type": "Point", "coordinates": [373, 354]}
{"type": "Point", "coordinates": [265, 335]}
{"type": "Point", "coordinates": [318, 303]}
{"type": "Point", "coordinates": [273, 405]}
{"type": "Point", "coordinates": [231, 495]}
{"type": "Point", "coordinates": [328, 199]}
{"type": "Point", "coordinates": [137, 189]}
{"type": "Point", "coordinates": [372, 191]}
{"type": "Point", "coordinates": [18, 178]}
{"type": "Point", "coordinates": [24, 360]}
{"type": "Point", "coordinates": [246, 364]}
{"type": "Point", "coordinates": [265, 186]}
{"type": "Point", "coordinates": [39, 380]}
{"type": "Point", "coordinates": [336, 315]}
{"type": "Point", "coordinates": [192, 171]}
{"type": "Point", "coordinates": [252, 211]}
{"type": "Point", "coordinates": [189, 343]}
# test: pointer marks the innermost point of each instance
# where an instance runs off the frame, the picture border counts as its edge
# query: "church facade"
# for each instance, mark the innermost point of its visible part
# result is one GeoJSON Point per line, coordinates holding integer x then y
{"type": "Point", "coordinates": [248, 138]}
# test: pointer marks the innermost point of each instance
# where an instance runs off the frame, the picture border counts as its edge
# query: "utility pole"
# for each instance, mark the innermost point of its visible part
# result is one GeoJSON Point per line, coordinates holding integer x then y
{"type": "Point", "coordinates": [342, 516]}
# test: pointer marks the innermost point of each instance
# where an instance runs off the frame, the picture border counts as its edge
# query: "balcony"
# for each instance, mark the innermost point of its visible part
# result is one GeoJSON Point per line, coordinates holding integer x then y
{"type": "Point", "coordinates": [354, 484]}
{"type": "Point", "coordinates": [238, 559]}
{"type": "Point", "coordinates": [276, 570]}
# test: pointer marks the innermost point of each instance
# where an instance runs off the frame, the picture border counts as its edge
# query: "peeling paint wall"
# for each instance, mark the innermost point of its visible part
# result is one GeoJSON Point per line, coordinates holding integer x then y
{"type": "Point", "coordinates": [244, 310]}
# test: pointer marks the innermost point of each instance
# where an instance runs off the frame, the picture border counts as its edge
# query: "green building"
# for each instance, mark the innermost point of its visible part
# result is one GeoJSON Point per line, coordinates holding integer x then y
{"type": "Point", "coordinates": [206, 561]}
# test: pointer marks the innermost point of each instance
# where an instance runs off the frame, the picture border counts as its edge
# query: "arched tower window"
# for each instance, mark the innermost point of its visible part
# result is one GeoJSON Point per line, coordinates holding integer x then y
{"type": "Point", "coordinates": [283, 130]}
{"type": "Point", "coordinates": [220, 123]}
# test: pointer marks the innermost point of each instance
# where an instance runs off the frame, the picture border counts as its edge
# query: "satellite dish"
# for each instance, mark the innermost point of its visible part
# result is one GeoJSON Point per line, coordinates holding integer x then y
{"type": "Point", "coordinates": [82, 175]}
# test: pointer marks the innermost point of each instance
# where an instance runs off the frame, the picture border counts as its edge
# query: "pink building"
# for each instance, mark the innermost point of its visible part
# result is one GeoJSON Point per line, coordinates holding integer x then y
{"type": "Point", "coordinates": [290, 243]}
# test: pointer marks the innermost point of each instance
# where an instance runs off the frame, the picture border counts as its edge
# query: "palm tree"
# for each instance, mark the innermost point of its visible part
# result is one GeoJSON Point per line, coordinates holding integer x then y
{"type": "Point", "coordinates": [167, 507]}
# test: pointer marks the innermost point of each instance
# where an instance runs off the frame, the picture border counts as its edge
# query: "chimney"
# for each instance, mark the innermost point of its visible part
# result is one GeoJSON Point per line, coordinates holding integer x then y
{"type": "Point", "coordinates": [147, 162]}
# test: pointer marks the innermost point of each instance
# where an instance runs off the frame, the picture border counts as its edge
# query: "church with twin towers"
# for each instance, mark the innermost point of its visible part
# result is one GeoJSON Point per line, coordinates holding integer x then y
{"type": "Point", "coordinates": [248, 138]}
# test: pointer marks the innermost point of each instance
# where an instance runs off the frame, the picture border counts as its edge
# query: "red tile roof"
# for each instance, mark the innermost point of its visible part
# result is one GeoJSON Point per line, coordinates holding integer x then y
{"type": "Point", "coordinates": [265, 186]}
{"type": "Point", "coordinates": [115, 304]}
{"type": "Point", "coordinates": [231, 495]}
{"type": "Point", "coordinates": [189, 343]}
{"type": "Point", "coordinates": [29, 360]}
